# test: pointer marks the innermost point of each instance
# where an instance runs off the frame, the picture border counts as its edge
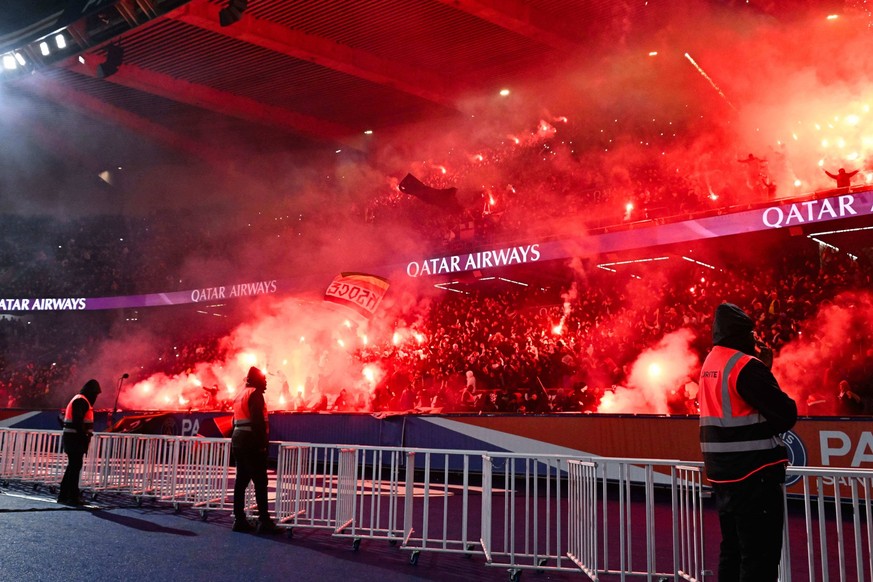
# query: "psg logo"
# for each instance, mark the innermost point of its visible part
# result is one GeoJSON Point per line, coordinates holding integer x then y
{"type": "Point", "coordinates": [796, 454]}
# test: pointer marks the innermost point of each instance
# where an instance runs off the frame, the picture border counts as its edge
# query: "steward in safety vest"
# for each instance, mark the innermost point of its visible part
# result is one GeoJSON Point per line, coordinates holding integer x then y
{"type": "Point", "coordinates": [249, 444]}
{"type": "Point", "coordinates": [742, 409]}
{"type": "Point", "coordinates": [79, 414]}
{"type": "Point", "coordinates": [250, 411]}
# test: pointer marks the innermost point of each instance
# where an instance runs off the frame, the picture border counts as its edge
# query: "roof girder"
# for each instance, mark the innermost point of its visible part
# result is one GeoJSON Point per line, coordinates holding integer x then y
{"type": "Point", "coordinates": [520, 18]}
{"type": "Point", "coordinates": [318, 50]}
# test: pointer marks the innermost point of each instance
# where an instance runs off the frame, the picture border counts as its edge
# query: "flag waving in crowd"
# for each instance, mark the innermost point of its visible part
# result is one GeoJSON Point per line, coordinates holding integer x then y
{"type": "Point", "coordinates": [358, 291]}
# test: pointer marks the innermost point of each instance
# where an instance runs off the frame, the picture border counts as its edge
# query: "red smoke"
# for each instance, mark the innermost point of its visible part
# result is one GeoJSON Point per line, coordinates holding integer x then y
{"type": "Point", "coordinates": [833, 346]}
{"type": "Point", "coordinates": [304, 348]}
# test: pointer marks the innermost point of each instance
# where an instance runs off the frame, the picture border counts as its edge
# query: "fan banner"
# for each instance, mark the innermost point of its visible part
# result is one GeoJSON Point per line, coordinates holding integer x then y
{"type": "Point", "coordinates": [358, 291]}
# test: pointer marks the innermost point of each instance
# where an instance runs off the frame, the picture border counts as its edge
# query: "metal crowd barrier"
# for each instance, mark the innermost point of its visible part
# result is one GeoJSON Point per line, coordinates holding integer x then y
{"type": "Point", "coordinates": [32, 456]}
{"type": "Point", "coordinates": [582, 535]}
{"type": "Point", "coordinates": [426, 499]}
{"type": "Point", "coordinates": [306, 486]}
{"type": "Point", "coordinates": [597, 517]}
{"type": "Point", "coordinates": [638, 546]}
{"type": "Point", "coordinates": [178, 470]}
{"type": "Point", "coordinates": [443, 499]}
{"type": "Point", "coordinates": [531, 521]}
{"type": "Point", "coordinates": [837, 538]}
{"type": "Point", "coordinates": [354, 492]}
{"type": "Point", "coordinates": [120, 462]}
{"type": "Point", "coordinates": [201, 473]}
{"type": "Point", "coordinates": [605, 519]}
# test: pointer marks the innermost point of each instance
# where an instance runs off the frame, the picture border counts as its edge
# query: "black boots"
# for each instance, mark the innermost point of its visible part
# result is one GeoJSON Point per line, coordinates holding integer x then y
{"type": "Point", "coordinates": [264, 526]}
{"type": "Point", "coordinates": [268, 526]}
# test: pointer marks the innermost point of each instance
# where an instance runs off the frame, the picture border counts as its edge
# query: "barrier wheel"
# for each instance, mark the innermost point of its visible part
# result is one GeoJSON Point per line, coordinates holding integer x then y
{"type": "Point", "coordinates": [290, 533]}
{"type": "Point", "coordinates": [138, 500]}
{"type": "Point", "coordinates": [176, 508]}
{"type": "Point", "coordinates": [541, 562]}
{"type": "Point", "coordinates": [413, 557]}
{"type": "Point", "coordinates": [203, 515]}
{"type": "Point", "coordinates": [356, 544]}
{"type": "Point", "coordinates": [392, 542]}
{"type": "Point", "coordinates": [470, 548]}
{"type": "Point", "coordinates": [514, 575]}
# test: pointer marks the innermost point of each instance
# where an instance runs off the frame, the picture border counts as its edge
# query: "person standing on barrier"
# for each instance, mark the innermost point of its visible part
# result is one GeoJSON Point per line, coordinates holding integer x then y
{"type": "Point", "coordinates": [249, 443]}
{"type": "Point", "coordinates": [742, 413]}
{"type": "Point", "coordinates": [78, 429]}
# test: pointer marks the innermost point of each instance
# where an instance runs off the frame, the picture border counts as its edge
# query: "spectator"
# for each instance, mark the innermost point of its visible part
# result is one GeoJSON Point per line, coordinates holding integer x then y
{"type": "Point", "coordinates": [843, 178]}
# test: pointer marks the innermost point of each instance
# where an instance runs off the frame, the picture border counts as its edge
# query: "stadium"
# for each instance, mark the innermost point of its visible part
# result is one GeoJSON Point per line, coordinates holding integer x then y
{"type": "Point", "coordinates": [476, 226]}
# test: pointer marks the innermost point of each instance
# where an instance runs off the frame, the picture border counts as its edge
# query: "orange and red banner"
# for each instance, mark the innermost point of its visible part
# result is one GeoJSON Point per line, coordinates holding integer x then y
{"type": "Point", "coordinates": [357, 291]}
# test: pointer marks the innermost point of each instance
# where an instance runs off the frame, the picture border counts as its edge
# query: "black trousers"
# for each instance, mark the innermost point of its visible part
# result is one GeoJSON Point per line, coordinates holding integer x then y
{"type": "Point", "coordinates": [251, 467]}
{"type": "Point", "coordinates": [75, 447]}
{"type": "Point", "coordinates": [751, 514]}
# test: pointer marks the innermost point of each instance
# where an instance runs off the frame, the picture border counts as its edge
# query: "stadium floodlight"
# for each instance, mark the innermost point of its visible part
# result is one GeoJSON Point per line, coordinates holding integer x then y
{"type": "Point", "coordinates": [9, 62]}
{"type": "Point", "coordinates": [232, 12]}
{"type": "Point", "coordinates": [20, 58]}
{"type": "Point", "coordinates": [60, 41]}
{"type": "Point", "coordinates": [44, 48]}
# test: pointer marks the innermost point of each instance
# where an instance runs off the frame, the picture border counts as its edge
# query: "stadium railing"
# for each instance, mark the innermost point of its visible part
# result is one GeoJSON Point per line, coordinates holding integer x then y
{"type": "Point", "coordinates": [595, 516]}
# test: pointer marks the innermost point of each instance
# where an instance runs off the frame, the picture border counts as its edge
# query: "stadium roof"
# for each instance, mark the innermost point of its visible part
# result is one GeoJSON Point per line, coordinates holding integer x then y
{"type": "Point", "coordinates": [307, 73]}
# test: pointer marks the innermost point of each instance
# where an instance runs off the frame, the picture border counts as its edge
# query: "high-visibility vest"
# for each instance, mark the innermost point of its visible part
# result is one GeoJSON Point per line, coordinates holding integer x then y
{"type": "Point", "coordinates": [242, 416]}
{"type": "Point", "coordinates": [734, 437]}
{"type": "Point", "coordinates": [88, 420]}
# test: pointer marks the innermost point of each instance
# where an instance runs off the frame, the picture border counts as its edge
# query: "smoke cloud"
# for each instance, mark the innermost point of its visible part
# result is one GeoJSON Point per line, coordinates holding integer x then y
{"type": "Point", "coordinates": [832, 346]}
{"type": "Point", "coordinates": [655, 376]}
{"type": "Point", "coordinates": [625, 123]}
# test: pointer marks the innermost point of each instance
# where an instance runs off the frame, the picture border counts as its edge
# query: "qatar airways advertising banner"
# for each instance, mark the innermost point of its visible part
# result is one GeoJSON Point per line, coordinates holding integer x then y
{"type": "Point", "coordinates": [218, 293]}
{"type": "Point", "coordinates": [789, 214]}
{"type": "Point", "coordinates": [747, 221]}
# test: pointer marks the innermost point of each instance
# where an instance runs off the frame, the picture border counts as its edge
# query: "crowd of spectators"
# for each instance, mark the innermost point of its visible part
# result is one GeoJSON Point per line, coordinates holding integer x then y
{"type": "Point", "coordinates": [484, 351]}
{"type": "Point", "coordinates": [37, 361]}
{"type": "Point", "coordinates": [517, 352]}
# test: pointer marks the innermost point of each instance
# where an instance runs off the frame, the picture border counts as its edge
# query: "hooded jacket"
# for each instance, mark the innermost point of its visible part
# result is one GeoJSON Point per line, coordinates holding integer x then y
{"type": "Point", "coordinates": [742, 408]}
{"type": "Point", "coordinates": [79, 414]}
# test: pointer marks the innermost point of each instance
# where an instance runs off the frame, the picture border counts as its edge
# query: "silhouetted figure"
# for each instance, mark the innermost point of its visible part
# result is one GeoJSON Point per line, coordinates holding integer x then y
{"type": "Point", "coordinates": [770, 187]}
{"type": "Point", "coordinates": [848, 402]}
{"type": "Point", "coordinates": [843, 178]}
{"type": "Point", "coordinates": [754, 171]}
{"type": "Point", "coordinates": [78, 430]}
{"type": "Point", "coordinates": [211, 397]}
